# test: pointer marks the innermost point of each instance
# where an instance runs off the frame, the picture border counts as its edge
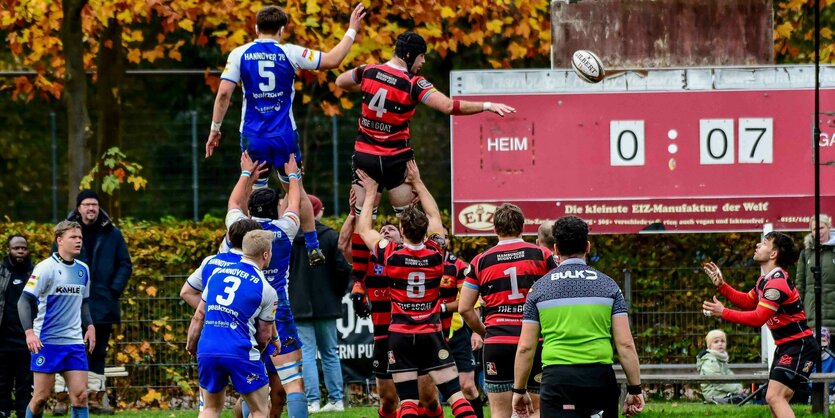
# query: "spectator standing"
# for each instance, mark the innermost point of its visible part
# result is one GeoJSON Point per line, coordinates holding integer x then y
{"type": "Point", "coordinates": [316, 300]}
{"type": "Point", "coordinates": [106, 254]}
{"type": "Point", "coordinates": [805, 278]}
{"type": "Point", "coordinates": [15, 375]}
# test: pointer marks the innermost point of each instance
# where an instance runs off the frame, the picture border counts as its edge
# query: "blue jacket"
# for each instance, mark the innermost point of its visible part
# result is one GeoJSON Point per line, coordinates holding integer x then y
{"type": "Point", "coordinates": [110, 269]}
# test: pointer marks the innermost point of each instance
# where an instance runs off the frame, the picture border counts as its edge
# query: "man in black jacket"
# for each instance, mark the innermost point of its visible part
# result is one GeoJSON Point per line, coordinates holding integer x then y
{"type": "Point", "coordinates": [14, 355]}
{"type": "Point", "coordinates": [316, 299]}
{"type": "Point", "coordinates": [106, 253]}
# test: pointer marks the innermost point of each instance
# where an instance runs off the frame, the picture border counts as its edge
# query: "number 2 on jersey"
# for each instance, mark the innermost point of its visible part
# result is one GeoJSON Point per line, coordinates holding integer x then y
{"type": "Point", "coordinates": [514, 285]}
{"type": "Point", "coordinates": [416, 287]}
{"type": "Point", "coordinates": [229, 291]}
{"type": "Point", "coordinates": [378, 102]}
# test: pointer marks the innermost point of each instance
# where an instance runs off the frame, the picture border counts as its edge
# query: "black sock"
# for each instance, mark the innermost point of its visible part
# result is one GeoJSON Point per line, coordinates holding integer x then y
{"type": "Point", "coordinates": [478, 406]}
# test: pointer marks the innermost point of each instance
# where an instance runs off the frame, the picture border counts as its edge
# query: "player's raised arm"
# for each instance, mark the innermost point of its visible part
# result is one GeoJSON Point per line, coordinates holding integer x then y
{"type": "Point", "coordinates": [365, 222]}
{"type": "Point", "coordinates": [250, 171]}
{"type": "Point", "coordinates": [295, 178]}
{"type": "Point", "coordinates": [335, 56]}
{"type": "Point", "coordinates": [430, 207]}
{"type": "Point", "coordinates": [224, 96]}
{"type": "Point", "coordinates": [442, 103]}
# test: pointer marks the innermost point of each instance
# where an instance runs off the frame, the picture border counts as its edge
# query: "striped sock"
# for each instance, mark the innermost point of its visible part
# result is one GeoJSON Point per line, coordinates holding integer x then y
{"type": "Point", "coordinates": [438, 412]}
{"type": "Point", "coordinates": [382, 414]}
{"type": "Point", "coordinates": [408, 409]}
{"type": "Point", "coordinates": [462, 408]}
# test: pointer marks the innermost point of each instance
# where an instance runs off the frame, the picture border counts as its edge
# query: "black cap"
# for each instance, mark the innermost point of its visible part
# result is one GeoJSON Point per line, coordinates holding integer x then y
{"type": "Point", "coordinates": [86, 194]}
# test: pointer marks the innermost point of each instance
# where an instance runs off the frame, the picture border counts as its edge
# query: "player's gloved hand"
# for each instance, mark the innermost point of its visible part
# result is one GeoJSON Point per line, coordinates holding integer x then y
{"type": "Point", "coordinates": [359, 300]}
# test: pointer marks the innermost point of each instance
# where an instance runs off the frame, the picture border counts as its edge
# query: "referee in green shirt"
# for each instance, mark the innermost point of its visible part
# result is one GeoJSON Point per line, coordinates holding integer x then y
{"type": "Point", "coordinates": [576, 310]}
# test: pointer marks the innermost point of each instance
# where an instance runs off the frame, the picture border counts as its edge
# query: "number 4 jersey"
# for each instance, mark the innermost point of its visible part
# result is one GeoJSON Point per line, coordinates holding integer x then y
{"type": "Point", "coordinates": [235, 296]}
{"type": "Point", "coordinates": [267, 71]}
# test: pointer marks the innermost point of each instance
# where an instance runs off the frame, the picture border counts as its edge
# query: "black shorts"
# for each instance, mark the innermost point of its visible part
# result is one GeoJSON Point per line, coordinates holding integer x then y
{"type": "Point", "coordinates": [793, 362]}
{"type": "Point", "coordinates": [462, 350]}
{"type": "Point", "coordinates": [418, 352]}
{"type": "Point", "coordinates": [499, 362]}
{"type": "Point", "coordinates": [388, 171]}
{"type": "Point", "coordinates": [380, 364]}
{"type": "Point", "coordinates": [579, 391]}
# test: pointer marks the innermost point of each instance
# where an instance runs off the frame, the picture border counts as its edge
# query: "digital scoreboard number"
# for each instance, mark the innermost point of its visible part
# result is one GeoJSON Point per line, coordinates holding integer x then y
{"type": "Point", "coordinates": [645, 161]}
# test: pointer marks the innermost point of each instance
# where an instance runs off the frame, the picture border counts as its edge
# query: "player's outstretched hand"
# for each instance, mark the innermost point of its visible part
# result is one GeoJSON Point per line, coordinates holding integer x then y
{"type": "Point", "coordinates": [368, 183]}
{"type": "Point", "coordinates": [291, 166]}
{"type": "Point", "coordinates": [255, 168]}
{"type": "Point", "coordinates": [715, 274]}
{"type": "Point", "coordinates": [212, 143]}
{"type": "Point", "coordinates": [33, 342]}
{"type": "Point", "coordinates": [356, 17]}
{"type": "Point", "coordinates": [90, 338]}
{"type": "Point", "coordinates": [714, 308]}
{"type": "Point", "coordinates": [522, 405]}
{"type": "Point", "coordinates": [501, 109]}
{"type": "Point", "coordinates": [633, 405]}
{"type": "Point", "coordinates": [412, 173]}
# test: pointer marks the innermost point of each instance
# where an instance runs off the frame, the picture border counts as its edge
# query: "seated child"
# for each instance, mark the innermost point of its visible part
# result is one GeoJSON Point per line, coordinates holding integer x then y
{"type": "Point", "coordinates": [714, 362]}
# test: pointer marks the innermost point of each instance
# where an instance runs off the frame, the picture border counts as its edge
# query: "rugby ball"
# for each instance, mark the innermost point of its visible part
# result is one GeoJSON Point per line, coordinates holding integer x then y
{"type": "Point", "coordinates": [588, 66]}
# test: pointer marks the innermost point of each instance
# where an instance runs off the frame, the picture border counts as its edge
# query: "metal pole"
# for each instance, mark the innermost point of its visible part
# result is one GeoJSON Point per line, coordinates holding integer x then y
{"type": "Point", "coordinates": [335, 145]}
{"type": "Point", "coordinates": [194, 182]}
{"type": "Point", "coordinates": [53, 129]}
{"type": "Point", "coordinates": [819, 398]}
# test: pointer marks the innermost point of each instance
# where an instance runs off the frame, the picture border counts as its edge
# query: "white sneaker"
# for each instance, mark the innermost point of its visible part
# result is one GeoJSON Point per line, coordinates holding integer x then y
{"type": "Point", "coordinates": [333, 406]}
{"type": "Point", "coordinates": [313, 408]}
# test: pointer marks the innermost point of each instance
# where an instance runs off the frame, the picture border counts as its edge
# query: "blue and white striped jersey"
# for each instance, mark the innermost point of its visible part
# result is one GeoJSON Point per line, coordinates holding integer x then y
{"type": "Point", "coordinates": [267, 72]}
{"type": "Point", "coordinates": [235, 296]}
{"type": "Point", "coordinates": [59, 288]}
{"type": "Point", "coordinates": [210, 264]}
{"type": "Point", "coordinates": [284, 232]}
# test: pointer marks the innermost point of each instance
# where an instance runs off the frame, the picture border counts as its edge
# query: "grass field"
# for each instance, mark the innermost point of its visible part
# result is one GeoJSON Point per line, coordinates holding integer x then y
{"type": "Point", "coordinates": [653, 410]}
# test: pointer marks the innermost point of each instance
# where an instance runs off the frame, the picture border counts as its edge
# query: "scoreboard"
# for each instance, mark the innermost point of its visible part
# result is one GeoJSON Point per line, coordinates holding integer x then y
{"type": "Point", "coordinates": [674, 150]}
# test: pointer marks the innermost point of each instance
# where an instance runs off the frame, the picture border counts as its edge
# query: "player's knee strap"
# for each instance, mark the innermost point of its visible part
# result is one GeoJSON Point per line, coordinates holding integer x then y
{"type": "Point", "coordinates": [289, 372]}
{"type": "Point", "coordinates": [407, 389]}
{"type": "Point", "coordinates": [398, 210]}
{"type": "Point", "coordinates": [358, 211]}
{"type": "Point", "coordinates": [450, 388]}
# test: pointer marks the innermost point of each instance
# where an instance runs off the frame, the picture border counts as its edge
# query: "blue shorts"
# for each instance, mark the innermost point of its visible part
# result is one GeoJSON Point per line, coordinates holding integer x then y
{"type": "Point", "coordinates": [272, 150]}
{"type": "Point", "coordinates": [287, 332]}
{"type": "Point", "coordinates": [59, 358]}
{"type": "Point", "coordinates": [214, 374]}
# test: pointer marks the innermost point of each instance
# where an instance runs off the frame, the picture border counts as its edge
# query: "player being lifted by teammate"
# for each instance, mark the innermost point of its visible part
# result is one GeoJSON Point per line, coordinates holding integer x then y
{"type": "Point", "coordinates": [390, 94]}
{"type": "Point", "coordinates": [232, 325]}
{"type": "Point", "coordinates": [502, 276]}
{"type": "Point", "coordinates": [53, 311]}
{"type": "Point", "coordinates": [266, 69]}
{"type": "Point", "coordinates": [414, 271]}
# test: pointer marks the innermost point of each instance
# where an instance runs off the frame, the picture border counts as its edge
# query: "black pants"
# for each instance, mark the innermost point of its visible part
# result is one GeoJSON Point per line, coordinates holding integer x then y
{"type": "Point", "coordinates": [579, 391]}
{"type": "Point", "coordinates": [96, 359]}
{"type": "Point", "coordinates": [15, 376]}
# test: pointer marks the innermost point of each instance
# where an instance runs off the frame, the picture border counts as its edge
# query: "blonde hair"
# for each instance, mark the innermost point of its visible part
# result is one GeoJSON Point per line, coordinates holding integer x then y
{"type": "Point", "coordinates": [65, 226]}
{"type": "Point", "coordinates": [257, 242]}
{"type": "Point", "coordinates": [713, 335]}
{"type": "Point", "coordinates": [824, 220]}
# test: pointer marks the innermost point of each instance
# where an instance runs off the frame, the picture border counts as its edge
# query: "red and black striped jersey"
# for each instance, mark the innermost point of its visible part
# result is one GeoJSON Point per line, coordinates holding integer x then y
{"type": "Point", "coordinates": [503, 275]}
{"type": "Point", "coordinates": [369, 271]}
{"type": "Point", "coordinates": [389, 98]}
{"type": "Point", "coordinates": [455, 270]}
{"type": "Point", "coordinates": [414, 274]}
{"type": "Point", "coordinates": [775, 301]}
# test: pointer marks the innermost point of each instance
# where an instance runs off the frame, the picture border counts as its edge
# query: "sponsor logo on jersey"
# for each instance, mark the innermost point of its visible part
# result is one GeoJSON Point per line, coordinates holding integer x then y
{"type": "Point", "coordinates": [33, 281]}
{"type": "Point", "coordinates": [308, 54]}
{"type": "Point", "coordinates": [447, 282]}
{"type": "Point", "coordinates": [80, 273]}
{"type": "Point", "coordinates": [478, 217]}
{"type": "Point", "coordinates": [772, 294]}
{"type": "Point", "coordinates": [785, 360]}
{"type": "Point", "coordinates": [378, 269]}
{"type": "Point", "coordinates": [68, 290]}
{"type": "Point", "coordinates": [233, 325]}
{"type": "Point", "coordinates": [443, 354]}
{"type": "Point", "coordinates": [491, 368]}
{"type": "Point", "coordinates": [574, 274]}
{"type": "Point", "coordinates": [424, 84]}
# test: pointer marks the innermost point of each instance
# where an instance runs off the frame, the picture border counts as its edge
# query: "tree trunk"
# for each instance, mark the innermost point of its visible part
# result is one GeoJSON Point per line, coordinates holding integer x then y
{"type": "Point", "coordinates": [111, 69]}
{"type": "Point", "coordinates": [75, 97]}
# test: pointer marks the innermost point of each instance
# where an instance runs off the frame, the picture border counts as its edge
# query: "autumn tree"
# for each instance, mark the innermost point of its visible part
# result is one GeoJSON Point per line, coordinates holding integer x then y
{"type": "Point", "coordinates": [794, 25]}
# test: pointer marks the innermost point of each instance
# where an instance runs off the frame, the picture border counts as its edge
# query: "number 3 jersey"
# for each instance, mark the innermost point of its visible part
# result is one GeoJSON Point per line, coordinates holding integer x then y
{"type": "Point", "coordinates": [503, 275]}
{"type": "Point", "coordinates": [267, 71]}
{"type": "Point", "coordinates": [60, 289]}
{"type": "Point", "coordinates": [235, 296]}
{"type": "Point", "coordinates": [414, 274]}
{"type": "Point", "coordinates": [390, 95]}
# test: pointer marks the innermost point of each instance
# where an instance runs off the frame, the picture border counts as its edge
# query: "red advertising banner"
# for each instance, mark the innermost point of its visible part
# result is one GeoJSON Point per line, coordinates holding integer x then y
{"type": "Point", "coordinates": [631, 162]}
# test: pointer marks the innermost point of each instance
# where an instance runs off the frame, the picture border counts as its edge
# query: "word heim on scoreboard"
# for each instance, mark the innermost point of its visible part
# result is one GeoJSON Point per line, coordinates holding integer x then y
{"type": "Point", "coordinates": [633, 162]}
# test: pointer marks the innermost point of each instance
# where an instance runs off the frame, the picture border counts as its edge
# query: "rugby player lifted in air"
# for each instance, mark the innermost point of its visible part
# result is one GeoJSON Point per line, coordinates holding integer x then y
{"type": "Point", "coordinates": [266, 70]}
{"type": "Point", "coordinates": [414, 270]}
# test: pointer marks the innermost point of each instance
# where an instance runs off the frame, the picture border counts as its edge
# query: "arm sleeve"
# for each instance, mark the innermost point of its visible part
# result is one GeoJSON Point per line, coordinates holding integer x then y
{"type": "Point", "coordinates": [530, 314]}
{"type": "Point", "coordinates": [421, 89]}
{"type": "Point", "coordinates": [269, 303]}
{"type": "Point", "coordinates": [755, 318]}
{"type": "Point", "coordinates": [27, 309]}
{"type": "Point", "coordinates": [233, 216]}
{"type": "Point", "coordinates": [232, 71]}
{"type": "Point", "coordinates": [356, 74]}
{"type": "Point", "coordinates": [619, 304]}
{"type": "Point", "coordinates": [195, 280]}
{"type": "Point", "coordinates": [303, 58]}
{"type": "Point", "coordinates": [747, 301]}
{"type": "Point", "coordinates": [86, 318]}
{"type": "Point", "coordinates": [124, 265]}
{"type": "Point", "coordinates": [289, 223]}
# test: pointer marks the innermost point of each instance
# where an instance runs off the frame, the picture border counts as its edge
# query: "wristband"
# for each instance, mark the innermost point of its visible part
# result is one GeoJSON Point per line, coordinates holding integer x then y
{"type": "Point", "coordinates": [351, 33]}
{"type": "Point", "coordinates": [215, 126]}
{"type": "Point", "coordinates": [293, 176]}
{"type": "Point", "coordinates": [245, 173]}
{"type": "Point", "coordinates": [521, 391]}
{"type": "Point", "coordinates": [486, 106]}
{"type": "Point", "coordinates": [633, 389]}
{"type": "Point", "coordinates": [456, 107]}
{"type": "Point", "coordinates": [443, 308]}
